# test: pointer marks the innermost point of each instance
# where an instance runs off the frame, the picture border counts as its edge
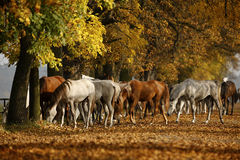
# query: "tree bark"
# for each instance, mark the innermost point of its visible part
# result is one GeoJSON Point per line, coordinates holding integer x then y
{"type": "Point", "coordinates": [17, 106]}
{"type": "Point", "coordinates": [34, 107]}
{"type": "Point", "coordinates": [124, 75]}
{"type": "Point", "coordinates": [107, 71]}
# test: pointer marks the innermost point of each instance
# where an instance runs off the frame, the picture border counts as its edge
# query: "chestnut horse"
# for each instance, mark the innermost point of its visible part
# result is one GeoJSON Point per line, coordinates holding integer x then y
{"type": "Point", "coordinates": [148, 91]}
{"type": "Point", "coordinates": [228, 89]}
{"type": "Point", "coordinates": [47, 87]}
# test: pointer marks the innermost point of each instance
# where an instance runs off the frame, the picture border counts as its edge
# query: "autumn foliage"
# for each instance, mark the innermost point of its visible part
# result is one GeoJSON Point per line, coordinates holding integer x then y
{"type": "Point", "coordinates": [172, 40]}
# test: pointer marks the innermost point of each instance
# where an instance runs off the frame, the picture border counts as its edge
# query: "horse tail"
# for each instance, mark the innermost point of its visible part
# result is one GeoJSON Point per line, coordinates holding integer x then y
{"type": "Point", "coordinates": [114, 97]}
{"type": "Point", "coordinates": [236, 96]}
{"type": "Point", "coordinates": [166, 96]}
{"type": "Point", "coordinates": [219, 94]}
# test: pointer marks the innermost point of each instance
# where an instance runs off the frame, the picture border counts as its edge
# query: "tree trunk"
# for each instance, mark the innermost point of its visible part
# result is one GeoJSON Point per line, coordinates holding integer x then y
{"type": "Point", "coordinates": [124, 75]}
{"type": "Point", "coordinates": [34, 107]}
{"type": "Point", "coordinates": [146, 75]}
{"type": "Point", "coordinates": [107, 71]}
{"type": "Point", "coordinates": [58, 52]}
{"type": "Point", "coordinates": [17, 106]}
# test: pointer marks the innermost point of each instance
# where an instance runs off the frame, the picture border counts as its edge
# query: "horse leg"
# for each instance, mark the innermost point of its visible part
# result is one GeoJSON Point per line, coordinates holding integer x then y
{"type": "Point", "coordinates": [111, 109]}
{"type": "Point", "coordinates": [90, 104]}
{"type": "Point", "coordinates": [146, 109]}
{"type": "Point", "coordinates": [180, 110]}
{"type": "Point", "coordinates": [197, 108]}
{"type": "Point", "coordinates": [204, 108]}
{"type": "Point", "coordinates": [188, 107]}
{"type": "Point", "coordinates": [142, 115]}
{"type": "Point", "coordinates": [227, 106]}
{"type": "Point", "coordinates": [155, 109]}
{"type": "Point", "coordinates": [106, 114]}
{"type": "Point", "coordinates": [78, 112]}
{"type": "Point", "coordinates": [99, 112]}
{"type": "Point", "coordinates": [132, 106]}
{"type": "Point", "coordinates": [220, 108]}
{"type": "Point", "coordinates": [63, 114]}
{"type": "Point", "coordinates": [126, 107]}
{"type": "Point", "coordinates": [73, 111]}
{"type": "Point", "coordinates": [67, 113]}
{"type": "Point", "coordinates": [233, 100]}
{"type": "Point", "coordinates": [80, 107]}
{"type": "Point", "coordinates": [209, 104]}
{"type": "Point", "coordinates": [193, 110]}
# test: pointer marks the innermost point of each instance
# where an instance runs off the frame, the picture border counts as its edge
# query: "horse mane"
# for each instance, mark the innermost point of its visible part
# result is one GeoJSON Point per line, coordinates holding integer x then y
{"type": "Point", "coordinates": [58, 93]}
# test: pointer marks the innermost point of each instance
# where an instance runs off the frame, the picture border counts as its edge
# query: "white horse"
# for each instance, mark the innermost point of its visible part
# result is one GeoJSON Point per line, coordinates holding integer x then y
{"type": "Point", "coordinates": [72, 91]}
{"type": "Point", "coordinates": [195, 91]}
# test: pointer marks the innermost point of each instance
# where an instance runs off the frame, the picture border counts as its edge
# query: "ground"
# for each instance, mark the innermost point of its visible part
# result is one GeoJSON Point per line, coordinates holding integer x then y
{"type": "Point", "coordinates": [127, 141]}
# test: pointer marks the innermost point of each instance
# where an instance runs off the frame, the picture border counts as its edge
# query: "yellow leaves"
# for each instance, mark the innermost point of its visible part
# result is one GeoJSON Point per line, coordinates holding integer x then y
{"type": "Point", "coordinates": [37, 6]}
{"type": "Point", "coordinates": [21, 11]}
{"type": "Point", "coordinates": [33, 36]}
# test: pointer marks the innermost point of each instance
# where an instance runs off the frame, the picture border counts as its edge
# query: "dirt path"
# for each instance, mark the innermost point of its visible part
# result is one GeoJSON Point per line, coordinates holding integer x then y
{"type": "Point", "coordinates": [127, 141]}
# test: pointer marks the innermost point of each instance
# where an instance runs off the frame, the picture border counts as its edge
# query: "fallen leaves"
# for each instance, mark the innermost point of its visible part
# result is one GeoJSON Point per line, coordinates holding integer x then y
{"type": "Point", "coordinates": [127, 141]}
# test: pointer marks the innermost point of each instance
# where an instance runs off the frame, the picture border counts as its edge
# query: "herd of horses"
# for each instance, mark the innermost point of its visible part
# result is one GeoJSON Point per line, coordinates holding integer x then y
{"type": "Point", "coordinates": [96, 99]}
{"type": "Point", "coordinates": [88, 96]}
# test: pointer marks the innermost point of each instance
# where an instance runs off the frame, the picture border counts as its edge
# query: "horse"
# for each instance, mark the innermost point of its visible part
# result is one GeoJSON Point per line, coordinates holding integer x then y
{"type": "Point", "coordinates": [194, 91]}
{"type": "Point", "coordinates": [72, 91]}
{"type": "Point", "coordinates": [117, 87]}
{"type": "Point", "coordinates": [47, 87]}
{"type": "Point", "coordinates": [105, 93]}
{"type": "Point", "coordinates": [148, 91]}
{"type": "Point", "coordinates": [228, 90]}
{"type": "Point", "coordinates": [123, 97]}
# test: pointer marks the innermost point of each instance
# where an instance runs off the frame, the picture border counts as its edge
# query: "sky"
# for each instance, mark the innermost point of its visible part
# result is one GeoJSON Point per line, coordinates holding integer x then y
{"type": "Point", "coordinates": [234, 73]}
{"type": "Point", "coordinates": [7, 74]}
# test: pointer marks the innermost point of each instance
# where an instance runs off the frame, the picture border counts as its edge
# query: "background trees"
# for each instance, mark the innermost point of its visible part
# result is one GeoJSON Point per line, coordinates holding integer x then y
{"type": "Point", "coordinates": [156, 39]}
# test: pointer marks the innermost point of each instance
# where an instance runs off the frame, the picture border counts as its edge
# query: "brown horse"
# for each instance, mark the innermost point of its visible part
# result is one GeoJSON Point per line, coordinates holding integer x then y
{"type": "Point", "coordinates": [122, 102]}
{"type": "Point", "coordinates": [228, 89]}
{"type": "Point", "coordinates": [47, 87]}
{"type": "Point", "coordinates": [148, 91]}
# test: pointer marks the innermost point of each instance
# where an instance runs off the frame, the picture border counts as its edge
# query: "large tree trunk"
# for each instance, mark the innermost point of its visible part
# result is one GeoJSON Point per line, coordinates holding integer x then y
{"type": "Point", "coordinates": [34, 107]}
{"type": "Point", "coordinates": [17, 107]}
{"type": "Point", "coordinates": [58, 52]}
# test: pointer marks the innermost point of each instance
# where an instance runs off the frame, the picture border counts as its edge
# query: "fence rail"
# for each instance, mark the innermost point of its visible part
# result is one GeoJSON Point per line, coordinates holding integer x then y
{"type": "Point", "coordinates": [4, 101]}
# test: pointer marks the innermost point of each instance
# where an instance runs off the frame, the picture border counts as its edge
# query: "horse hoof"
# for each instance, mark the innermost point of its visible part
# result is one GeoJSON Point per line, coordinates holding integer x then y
{"type": "Point", "coordinates": [206, 122]}
{"type": "Point", "coordinates": [177, 122]}
{"type": "Point", "coordinates": [193, 121]}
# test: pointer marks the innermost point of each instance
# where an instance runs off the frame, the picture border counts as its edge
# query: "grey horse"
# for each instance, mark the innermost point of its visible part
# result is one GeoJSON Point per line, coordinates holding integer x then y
{"type": "Point", "coordinates": [105, 96]}
{"type": "Point", "coordinates": [195, 91]}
